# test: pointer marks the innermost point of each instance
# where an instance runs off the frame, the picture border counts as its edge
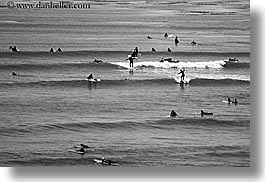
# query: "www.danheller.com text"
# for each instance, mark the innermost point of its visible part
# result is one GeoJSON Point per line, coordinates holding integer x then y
{"type": "Point", "coordinates": [48, 5]}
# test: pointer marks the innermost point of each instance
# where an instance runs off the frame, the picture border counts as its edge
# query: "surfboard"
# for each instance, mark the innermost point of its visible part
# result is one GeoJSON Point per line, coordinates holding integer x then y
{"type": "Point", "coordinates": [75, 151]}
{"type": "Point", "coordinates": [183, 82]}
{"type": "Point", "coordinates": [132, 57]}
{"type": "Point", "coordinates": [170, 35]}
{"type": "Point", "coordinates": [112, 163]}
{"type": "Point", "coordinates": [94, 80]}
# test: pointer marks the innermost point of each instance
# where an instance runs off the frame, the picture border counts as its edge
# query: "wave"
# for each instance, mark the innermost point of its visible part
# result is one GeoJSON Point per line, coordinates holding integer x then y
{"type": "Point", "coordinates": [236, 65]}
{"type": "Point", "coordinates": [89, 52]}
{"type": "Point", "coordinates": [167, 65]}
{"type": "Point", "coordinates": [200, 122]}
{"type": "Point", "coordinates": [57, 66]}
{"type": "Point", "coordinates": [178, 64]}
{"type": "Point", "coordinates": [217, 82]}
{"type": "Point", "coordinates": [220, 64]}
{"type": "Point", "coordinates": [126, 82]}
{"type": "Point", "coordinates": [164, 124]}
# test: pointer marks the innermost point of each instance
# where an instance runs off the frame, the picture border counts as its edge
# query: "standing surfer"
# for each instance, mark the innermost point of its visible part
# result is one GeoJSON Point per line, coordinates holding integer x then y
{"type": "Point", "coordinates": [182, 74]}
{"type": "Point", "coordinates": [130, 58]}
{"type": "Point", "coordinates": [131, 61]}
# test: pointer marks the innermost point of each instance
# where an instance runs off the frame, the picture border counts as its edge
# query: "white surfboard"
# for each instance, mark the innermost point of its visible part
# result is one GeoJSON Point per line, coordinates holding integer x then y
{"type": "Point", "coordinates": [94, 80]}
{"type": "Point", "coordinates": [76, 151]}
{"type": "Point", "coordinates": [112, 163]}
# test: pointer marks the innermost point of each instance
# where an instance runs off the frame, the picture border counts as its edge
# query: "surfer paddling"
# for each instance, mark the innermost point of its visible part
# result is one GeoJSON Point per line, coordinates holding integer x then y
{"type": "Point", "coordinates": [206, 113]}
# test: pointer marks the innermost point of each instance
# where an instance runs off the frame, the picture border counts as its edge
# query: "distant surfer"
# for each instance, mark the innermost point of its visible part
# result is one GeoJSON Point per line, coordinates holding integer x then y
{"type": "Point", "coordinates": [194, 43]}
{"type": "Point", "coordinates": [98, 61]}
{"type": "Point", "coordinates": [81, 149]}
{"type": "Point", "coordinates": [173, 114]}
{"type": "Point", "coordinates": [230, 101]}
{"type": "Point", "coordinates": [13, 49]}
{"type": "Point", "coordinates": [135, 52]}
{"type": "Point", "coordinates": [166, 35]}
{"type": "Point", "coordinates": [153, 50]}
{"type": "Point", "coordinates": [149, 37]}
{"type": "Point", "coordinates": [105, 161]}
{"type": "Point", "coordinates": [130, 60]}
{"type": "Point", "coordinates": [90, 77]}
{"type": "Point", "coordinates": [168, 50]}
{"type": "Point", "coordinates": [15, 74]}
{"type": "Point", "coordinates": [59, 50]}
{"type": "Point", "coordinates": [51, 50]}
{"type": "Point", "coordinates": [182, 72]}
{"type": "Point", "coordinates": [176, 40]}
{"type": "Point", "coordinates": [206, 113]}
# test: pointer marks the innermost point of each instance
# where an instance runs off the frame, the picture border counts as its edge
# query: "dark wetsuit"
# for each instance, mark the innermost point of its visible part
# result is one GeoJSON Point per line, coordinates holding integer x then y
{"type": "Point", "coordinates": [131, 62]}
{"type": "Point", "coordinates": [182, 74]}
{"type": "Point", "coordinates": [90, 76]}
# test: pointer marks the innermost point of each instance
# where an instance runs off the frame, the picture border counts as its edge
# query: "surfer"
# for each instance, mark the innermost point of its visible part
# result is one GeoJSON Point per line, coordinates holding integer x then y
{"type": "Point", "coordinates": [13, 49]}
{"type": "Point", "coordinates": [176, 40]}
{"type": "Point", "coordinates": [173, 114]}
{"type": "Point", "coordinates": [84, 146]}
{"type": "Point", "coordinates": [90, 77]}
{"type": "Point", "coordinates": [106, 161]}
{"type": "Point", "coordinates": [135, 52]}
{"type": "Point", "coordinates": [182, 74]}
{"type": "Point", "coordinates": [168, 50]}
{"type": "Point", "coordinates": [14, 74]}
{"type": "Point", "coordinates": [81, 149]}
{"type": "Point", "coordinates": [131, 60]}
{"type": "Point", "coordinates": [235, 102]}
{"type": "Point", "coordinates": [149, 37]}
{"type": "Point", "coordinates": [205, 113]}
{"type": "Point", "coordinates": [59, 50]}
{"type": "Point", "coordinates": [98, 61]}
{"type": "Point", "coordinates": [166, 35]}
{"type": "Point", "coordinates": [51, 50]}
{"type": "Point", "coordinates": [229, 100]}
{"type": "Point", "coordinates": [153, 50]}
{"type": "Point", "coordinates": [193, 42]}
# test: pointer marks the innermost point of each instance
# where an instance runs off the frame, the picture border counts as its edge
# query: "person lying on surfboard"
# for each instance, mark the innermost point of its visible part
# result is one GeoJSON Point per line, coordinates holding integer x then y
{"type": "Point", "coordinates": [206, 113]}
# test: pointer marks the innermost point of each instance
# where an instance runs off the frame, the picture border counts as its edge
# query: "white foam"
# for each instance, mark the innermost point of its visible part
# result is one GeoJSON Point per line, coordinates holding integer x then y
{"type": "Point", "coordinates": [167, 65]}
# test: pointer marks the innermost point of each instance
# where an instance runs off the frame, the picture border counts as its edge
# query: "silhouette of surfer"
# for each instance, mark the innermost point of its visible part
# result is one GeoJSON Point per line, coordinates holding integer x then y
{"type": "Point", "coordinates": [130, 60]}
{"type": "Point", "coordinates": [182, 74]}
{"type": "Point", "coordinates": [176, 40]}
{"type": "Point", "coordinates": [173, 114]}
{"type": "Point", "coordinates": [90, 77]}
{"type": "Point", "coordinates": [135, 52]}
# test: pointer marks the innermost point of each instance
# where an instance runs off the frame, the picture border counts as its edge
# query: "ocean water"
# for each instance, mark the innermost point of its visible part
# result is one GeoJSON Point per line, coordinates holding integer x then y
{"type": "Point", "coordinates": [50, 107]}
